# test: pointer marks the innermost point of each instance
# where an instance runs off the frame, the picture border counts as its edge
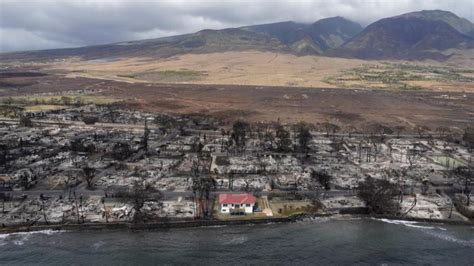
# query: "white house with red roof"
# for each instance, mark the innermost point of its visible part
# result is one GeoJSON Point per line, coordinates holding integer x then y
{"type": "Point", "coordinates": [237, 203]}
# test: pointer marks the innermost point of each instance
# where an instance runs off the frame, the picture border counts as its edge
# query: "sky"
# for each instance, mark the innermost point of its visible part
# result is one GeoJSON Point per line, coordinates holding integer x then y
{"type": "Point", "coordinates": [47, 24]}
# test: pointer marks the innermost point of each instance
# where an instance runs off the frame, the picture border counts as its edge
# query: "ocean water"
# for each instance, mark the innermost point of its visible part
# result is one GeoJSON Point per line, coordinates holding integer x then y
{"type": "Point", "coordinates": [315, 242]}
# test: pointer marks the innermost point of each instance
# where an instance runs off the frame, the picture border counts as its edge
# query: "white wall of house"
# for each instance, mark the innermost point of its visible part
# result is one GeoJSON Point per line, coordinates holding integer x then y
{"type": "Point", "coordinates": [225, 208]}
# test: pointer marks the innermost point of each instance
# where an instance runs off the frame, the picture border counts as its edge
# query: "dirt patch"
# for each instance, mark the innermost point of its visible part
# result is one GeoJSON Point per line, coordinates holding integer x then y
{"type": "Point", "coordinates": [233, 114]}
{"type": "Point", "coordinates": [168, 76]}
{"type": "Point", "coordinates": [167, 104]}
{"type": "Point", "coordinates": [21, 74]}
{"type": "Point", "coordinates": [271, 103]}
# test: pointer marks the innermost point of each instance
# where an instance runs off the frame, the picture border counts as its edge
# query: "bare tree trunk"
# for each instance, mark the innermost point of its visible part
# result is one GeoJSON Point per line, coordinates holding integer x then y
{"type": "Point", "coordinates": [44, 212]}
{"type": "Point", "coordinates": [411, 208]}
{"type": "Point", "coordinates": [77, 208]}
{"type": "Point", "coordinates": [451, 209]}
{"type": "Point", "coordinates": [105, 211]}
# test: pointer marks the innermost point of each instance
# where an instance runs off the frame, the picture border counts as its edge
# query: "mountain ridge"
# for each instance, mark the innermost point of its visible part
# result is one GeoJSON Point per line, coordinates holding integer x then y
{"type": "Point", "coordinates": [425, 34]}
{"type": "Point", "coordinates": [416, 35]}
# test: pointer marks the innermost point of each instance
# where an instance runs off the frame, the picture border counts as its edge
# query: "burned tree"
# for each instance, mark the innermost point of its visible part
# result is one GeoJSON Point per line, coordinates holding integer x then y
{"type": "Point", "coordinates": [25, 121]}
{"type": "Point", "coordinates": [468, 138]}
{"type": "Point", "coordinates": [43, 209]}
{"type": "Point", "coordinates": [202, 187]}
{"type": "Point", "coordinates": [376, 129]}
{"type": "Point", "coordinates": [90, 120]}
{"type": "Point", "coordinates": [140, 194]}
{"type": "Point", "coordinates": [283, 139]}
{"type": "Point", "coordinates": [231, 180]}
{"type": "Point", "coordinates": [322, 177]}
{"type": "Point", "coordinates": [350, 130]}
{"type": "Point", "coordinates": [421, 130]}
{"type": "Point", "coordinates": [121, 151]}
{"type": "Point", "coordinates": [146, 136]}
{"type": "Point", "coordinates": [112, 114]}
{"type": "Point", "coordinates": [399, 130]}
{"type": "Point", "coordinates": [304, 135]}
{"type": "Point", "coordinates": [239, 133]}
{"type": "Point", "coordinates": [378, 195]}
{"type": "Point", "coordinates": [3, 156]}
{"type": "Point", "coordinates": [442, 131]}
{"type": "Point", "coordinates": [465, 176]}
{"type": "Point", "coordinates": [89, 174]}
{"type": "Point", "coordinates": [25, 178]}
{"type": "Point", "coordinates": [330, 128]}
{"type": "Point", "coordinates": [78, 144]}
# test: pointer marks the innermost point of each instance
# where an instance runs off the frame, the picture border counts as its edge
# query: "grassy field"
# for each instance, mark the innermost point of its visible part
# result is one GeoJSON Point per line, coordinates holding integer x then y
{"type": "Point", "coordinates": [43, 107]}
{"type": "Point", "coordinates": [57, 100]}
{"type": "Point", "coordinates": [276, 69]}
{"type": "Point", "coordinates": [405, 76]}
{"type": "Point", "coordinates": [168, 76]}
{"type": "Point", "coordinates": [231, 68]}
{"type": "Point", "coordinates": [284, 208]}
{"type": "Point", "coordinates": [385, 92]}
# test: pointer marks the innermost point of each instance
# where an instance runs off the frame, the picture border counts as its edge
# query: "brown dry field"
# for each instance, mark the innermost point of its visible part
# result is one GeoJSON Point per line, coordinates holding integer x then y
{"type": "Point", "coordinates": [255, 86]}
{"type": "Point", "coordinates": [229, 68]}
{"type": "Point", "coordinates": [265, 103]}
{"type": "Point", "coordinates": [251, 68]}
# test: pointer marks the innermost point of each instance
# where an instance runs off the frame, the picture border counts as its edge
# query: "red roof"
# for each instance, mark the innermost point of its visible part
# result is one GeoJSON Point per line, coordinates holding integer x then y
{"type": "Point", "coordinates": [236, 199]}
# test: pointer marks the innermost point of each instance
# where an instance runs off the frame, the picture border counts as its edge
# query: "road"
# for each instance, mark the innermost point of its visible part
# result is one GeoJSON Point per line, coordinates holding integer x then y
{"type": "Point", "coordinates": [140, 127]}
{"type": "Point", "coordinates": [100, 192]}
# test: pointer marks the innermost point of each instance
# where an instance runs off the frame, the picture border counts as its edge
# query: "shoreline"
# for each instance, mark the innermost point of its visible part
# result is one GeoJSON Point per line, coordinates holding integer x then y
{"type": "Point", "coordinates": [8, 229]}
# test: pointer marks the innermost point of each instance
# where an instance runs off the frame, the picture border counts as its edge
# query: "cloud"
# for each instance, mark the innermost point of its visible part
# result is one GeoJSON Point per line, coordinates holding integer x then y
{"type": "Point", "coordinates": [36, 24]}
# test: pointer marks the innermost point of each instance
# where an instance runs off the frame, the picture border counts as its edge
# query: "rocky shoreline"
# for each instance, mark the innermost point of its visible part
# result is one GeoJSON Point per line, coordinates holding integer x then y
{"type": "Point", "coordinates": [6, 229]}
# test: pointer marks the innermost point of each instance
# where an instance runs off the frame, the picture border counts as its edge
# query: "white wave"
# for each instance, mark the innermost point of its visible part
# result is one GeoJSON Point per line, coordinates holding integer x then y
{"type": "Point", "coordinates": [389, 221]}
{"type": "Point", "coordinates": [412, 224]}
{"type": "Point", "coordinates": [450, 238]}
{"type": "Point", "coordinates": [18, 242]}
{"type": "Point", "coordinates": [98, 245]}
{"type": "Point", "coordinates": [214, 226]}
{"type": "Point", "coordinates": [238, 240]}
{"type": "Point", "coordinates": [419, 226]}
{"type": "Point", "coordinates": [44, 232]}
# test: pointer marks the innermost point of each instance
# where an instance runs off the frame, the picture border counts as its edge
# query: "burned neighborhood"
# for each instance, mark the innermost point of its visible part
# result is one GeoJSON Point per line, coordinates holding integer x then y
{"type": "Point", "coordinates": [234, 132]}
{"type": "Point", "coordinates": [102, 164]}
